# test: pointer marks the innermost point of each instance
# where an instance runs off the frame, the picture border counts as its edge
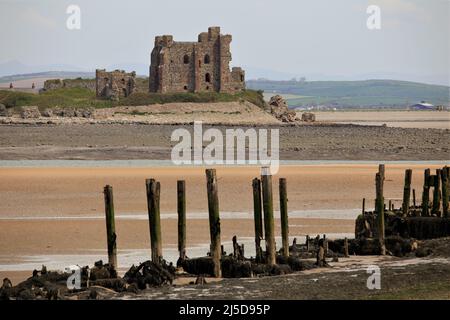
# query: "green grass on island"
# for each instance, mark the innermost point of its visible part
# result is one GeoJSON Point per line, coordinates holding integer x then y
{"type": "Point", "coordinates": [85, 98]}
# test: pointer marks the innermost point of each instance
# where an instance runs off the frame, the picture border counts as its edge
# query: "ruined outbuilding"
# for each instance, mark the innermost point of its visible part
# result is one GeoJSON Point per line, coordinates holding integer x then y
{"type": "Point", "coordinates": [114, 84]}
{"type": "Point", "coordinates": [200, 66]}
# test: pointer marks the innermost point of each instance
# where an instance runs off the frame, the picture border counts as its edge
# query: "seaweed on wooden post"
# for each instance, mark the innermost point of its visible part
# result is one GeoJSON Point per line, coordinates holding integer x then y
{"type": "Point", "coordinates": [426, 193]}
{"type": "Point", "coordinates": [380, 210]}
{"type": "Point", "coordinates": [257, 212]}
{"type": "Point", "coordinates": [445, 191]}
{"type": "Point", "coordinates": [110, 226]}
{"type": "Point", "coordinates": [436, 193]}
{"type": "Point", "coordinates": [284, 217]}
{"type": "Point", "coordinates": [181, 209]}
{"type": "Point", "coordinates": [266, 179]}
{"type": "Point", "coordinates": [406, 192]}
{"type": "Point", "coordinates": [214, 220]}
{"type": "Point", "coordinates": [153, 193]}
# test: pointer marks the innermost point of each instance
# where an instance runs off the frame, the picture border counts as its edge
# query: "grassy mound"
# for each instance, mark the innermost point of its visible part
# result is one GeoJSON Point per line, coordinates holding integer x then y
{"type": "Point", "coordinates": [82, 97]}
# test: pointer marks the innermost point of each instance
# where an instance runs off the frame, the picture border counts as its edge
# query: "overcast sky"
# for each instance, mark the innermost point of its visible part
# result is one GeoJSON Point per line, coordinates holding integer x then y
{"type": "Point", "coordinates": [316, 39]}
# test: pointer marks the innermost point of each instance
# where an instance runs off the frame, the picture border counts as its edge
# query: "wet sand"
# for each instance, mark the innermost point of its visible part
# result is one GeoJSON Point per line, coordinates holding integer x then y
{"type": "Point", "coordinates": [40, 192]}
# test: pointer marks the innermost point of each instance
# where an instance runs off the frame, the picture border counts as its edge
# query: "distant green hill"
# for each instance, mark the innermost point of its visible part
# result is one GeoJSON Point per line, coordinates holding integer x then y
{"type": "Point", "coordinates": [368, 93]}
{"type": "Point", "coordinates": [48, 74]}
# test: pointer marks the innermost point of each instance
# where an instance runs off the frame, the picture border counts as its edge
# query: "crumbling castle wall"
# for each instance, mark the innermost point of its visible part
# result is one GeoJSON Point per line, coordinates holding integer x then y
{"type": "Point", "coordinates": [114, 84]}
{"type": "Point", "coordinates": [53, 84]}
{"type": "Point", "coordinates": [200, 66]}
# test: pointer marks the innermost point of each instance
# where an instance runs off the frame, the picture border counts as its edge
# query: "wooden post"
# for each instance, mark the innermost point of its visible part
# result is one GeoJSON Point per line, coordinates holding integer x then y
{"type": "Point", "coordinates": [181, 208]}
{"type": "Point", "coordinates": [153, 191]}
{"type": "Point", "coordinates": [214, 219]}
{"type": "Point", "coordinates": [307, 243]}
{"type": "Point", "coordinates": [380, 209]}
{"type": "Point", "coordinates": [364, 206]}
{"type": "Point", "coordinates": [445, 191]}
{"type": "Point", "coordinates": [257, 212]}
{"type": "Point", "coordinates": [426, 193]}
{"type": "Point", "coordinates": [284, 217]}
{"type": "Point", "coordinates": [414, 198]}
{"type": "Point", "coordinates": [325, 245]}
{"type": "Point", "coordinates": [407, 192]}
{"type": "Point", "coordinates": [110, 226]}
{"type": "Point", "coordinates": [436, 193]}
{"type": "Point", "coordinates": [346, 247]}
{"type": "Point", "coordinates": [266, 179]}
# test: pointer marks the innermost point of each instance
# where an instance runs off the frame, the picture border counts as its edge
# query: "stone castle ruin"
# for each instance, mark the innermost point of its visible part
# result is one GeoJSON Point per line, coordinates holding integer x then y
{"type": "Point", "coordinates": [200, 66]}
{"type": "Point", "coordinates": [114, 84]}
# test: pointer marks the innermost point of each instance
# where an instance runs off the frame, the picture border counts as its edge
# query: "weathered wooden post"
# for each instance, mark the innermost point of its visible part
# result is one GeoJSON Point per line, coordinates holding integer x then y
{"type": "Point", "coordinates": [110, 226]}
{"type": "Point", "coordinates": [407, 192]}
{"type": "Point", "coordinates": [445, 191]}
{"type": "Point", "coordinates": [414, 198]}
{"type": "Point", "coordinates": [266, 179]}
{"type": "Point", "coordinates": [426, 193]}
{"type": "Point", "coordinates": [181, 208]}
{"type": "Point", "coordinates": [153, 192]}
{"type": "Point", "coordinates": [257, 212]}
{"type": "Point", "coordinates": [284, 217]}
{"type": "Point", "coordinates": [379, 181]}
{"type": "Point", "coordinates": [325, 245]}
{"type": "Point", "coordinates": [320, 255]}
{"type": "Point", "coordinates": [364, 206]}
{"type": "Point", "coordinates": [307, 243]}
{"type": "Point", "coordinates": [436, 193]}
{"type": "Point", "coordinates": [214, 219]}
{"type": "Point", "coordinates": [390, 205]}
{"type": "Point", "coordinates": [346, 247]}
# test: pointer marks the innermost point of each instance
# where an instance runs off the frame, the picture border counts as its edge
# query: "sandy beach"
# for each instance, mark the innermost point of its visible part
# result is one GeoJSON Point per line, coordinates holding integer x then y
{"type": "Point", "coordinates": [400, 119]}
{"type": "Point", "coordinates": [54, 215]}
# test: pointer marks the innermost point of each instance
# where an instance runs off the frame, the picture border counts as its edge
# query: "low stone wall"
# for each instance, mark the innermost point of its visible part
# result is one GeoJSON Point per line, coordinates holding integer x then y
{"type": "Point", "coordinates": [69, 83]}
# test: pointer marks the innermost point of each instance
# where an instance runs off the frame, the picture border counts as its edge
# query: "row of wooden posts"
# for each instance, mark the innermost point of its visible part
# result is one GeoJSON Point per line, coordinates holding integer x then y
{"type": "Point", "coordinates": [440, 184]}
{"type": "Point", "coordinates": [263, 218]}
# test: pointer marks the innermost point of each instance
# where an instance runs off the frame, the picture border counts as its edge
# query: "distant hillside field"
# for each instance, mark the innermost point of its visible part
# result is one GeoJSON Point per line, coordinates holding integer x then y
{"type": "Point", "coordinates": [369, 93]}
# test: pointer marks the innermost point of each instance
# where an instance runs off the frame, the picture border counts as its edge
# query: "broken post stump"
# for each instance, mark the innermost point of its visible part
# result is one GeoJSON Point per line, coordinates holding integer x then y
{"type": "Point", "coordinates": [110, 226]}
{"type": "Point", "coordinates": [181, 209]}
{"type": "Point", "coordinates": [379, 181]}
{"type": "Point", "coordinates": [407, 192]}
{"type": "Point", "coordinates": [257, 212]}
{"type": "Point", "coordinates": [214, 220]}
{"type": "Point", "coordinates": [284, 217]}
{"type": "Point", "coordinates": [266, 179]}
{"type": "Point", "coordinates": [426, 193]}
{"type": "Point", "coordinates": [153, 194]}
